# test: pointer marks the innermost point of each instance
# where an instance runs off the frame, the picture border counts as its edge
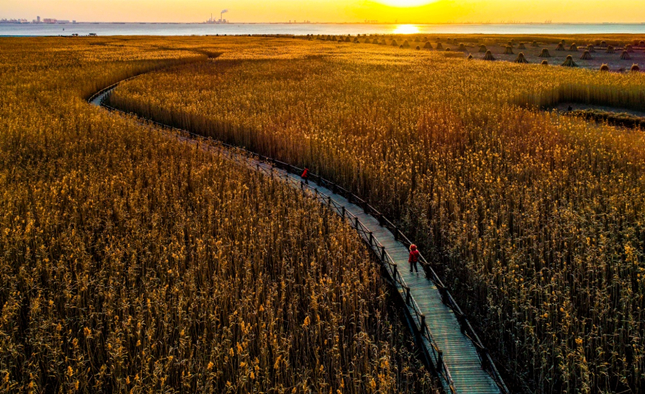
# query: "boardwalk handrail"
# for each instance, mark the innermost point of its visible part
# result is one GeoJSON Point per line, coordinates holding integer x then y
{"type": "Point", "coordinates": [386, 260]}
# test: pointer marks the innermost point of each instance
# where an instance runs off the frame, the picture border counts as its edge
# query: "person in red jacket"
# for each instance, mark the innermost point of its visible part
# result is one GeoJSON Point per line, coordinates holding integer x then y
{"type": "Point", "coordinates": [305, 175]}
{"type": "Point", "coordinates": [414, 258]}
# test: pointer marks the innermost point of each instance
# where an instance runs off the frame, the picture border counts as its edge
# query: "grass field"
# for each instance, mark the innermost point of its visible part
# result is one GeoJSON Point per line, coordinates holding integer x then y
{"type": "Point", "coordinates": [133, 262]}
{"type": "Point", "coordinates": [534, 218]}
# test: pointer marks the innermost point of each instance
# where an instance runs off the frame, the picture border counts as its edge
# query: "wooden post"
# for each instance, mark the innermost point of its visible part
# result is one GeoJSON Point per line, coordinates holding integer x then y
{"type": "Point", "coordinates": [371, 238]}
{"type": "Point", "coordinates": [343, 211]}
{"type": "Point", "coordinates": [383, 253]}
{"type": "Point", "coordinates": [356, 222]}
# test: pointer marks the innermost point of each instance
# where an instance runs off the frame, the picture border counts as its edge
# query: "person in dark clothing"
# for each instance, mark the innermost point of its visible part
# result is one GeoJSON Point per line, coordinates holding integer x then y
{"type": "Point", "coordinates": [305, 175]}
{"type": "Point", "coordinates": [414, 258]}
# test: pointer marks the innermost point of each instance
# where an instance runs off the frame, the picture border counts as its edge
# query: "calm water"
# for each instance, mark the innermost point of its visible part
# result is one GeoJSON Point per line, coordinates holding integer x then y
{"type": "Point", "coordinates": [163, 29]}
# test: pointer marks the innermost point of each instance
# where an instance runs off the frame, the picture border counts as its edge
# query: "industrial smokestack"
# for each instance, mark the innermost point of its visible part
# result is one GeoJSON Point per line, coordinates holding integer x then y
{"type": "Point", "coordinates": [221, 15]}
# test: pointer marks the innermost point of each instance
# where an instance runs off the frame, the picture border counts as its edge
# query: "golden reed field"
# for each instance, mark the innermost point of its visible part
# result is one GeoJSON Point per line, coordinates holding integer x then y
{"type": "Point", "coordinates": [133, 262]}
{"type": "Point", "coordinates": [535, 219]}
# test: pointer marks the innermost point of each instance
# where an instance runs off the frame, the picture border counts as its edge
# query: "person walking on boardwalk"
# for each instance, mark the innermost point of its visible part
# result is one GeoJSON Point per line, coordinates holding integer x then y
{"type": "Point", "coordinates": [305, 175]}
{"type": "Point", "coordinates": [414, 258]}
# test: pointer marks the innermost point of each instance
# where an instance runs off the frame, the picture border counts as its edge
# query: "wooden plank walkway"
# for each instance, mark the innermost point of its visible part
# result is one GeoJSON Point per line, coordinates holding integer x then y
{"type": "Point", "coordinates": [452, 353]}
{"type": "Point", "coordinates": [459, 354]}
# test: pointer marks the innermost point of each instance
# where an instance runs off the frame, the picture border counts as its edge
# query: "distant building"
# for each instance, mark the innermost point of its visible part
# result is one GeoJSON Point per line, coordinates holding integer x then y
{"type": "Point", "coordinates": [219, 21]}
{"type": "Point", "coordinates": [50, 21]}
{"type": "Point", "coordinates": [37, 19]}
{"type": "Point", "coordinates": [20, 21]}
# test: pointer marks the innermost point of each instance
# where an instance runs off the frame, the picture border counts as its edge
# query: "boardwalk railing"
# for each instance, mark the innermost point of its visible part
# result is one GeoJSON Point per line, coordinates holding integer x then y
{"type": "Point", "coordinates": [436, 355]}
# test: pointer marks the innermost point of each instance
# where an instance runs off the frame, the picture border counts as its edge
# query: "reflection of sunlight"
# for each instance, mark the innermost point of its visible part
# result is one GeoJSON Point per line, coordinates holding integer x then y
{"type": "Point", "coordinates": [406, 3]}
{"type": "Point", "coordinates": [406, 29]}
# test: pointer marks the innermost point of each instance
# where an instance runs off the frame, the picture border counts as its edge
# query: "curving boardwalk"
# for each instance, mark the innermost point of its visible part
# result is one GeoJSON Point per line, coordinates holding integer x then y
{"type": "Point", "coordinates": [450, 345]}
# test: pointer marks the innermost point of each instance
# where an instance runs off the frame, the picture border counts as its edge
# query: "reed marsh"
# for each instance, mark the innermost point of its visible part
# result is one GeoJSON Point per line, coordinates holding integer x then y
{"type": "Point", "coordinates": [534, 218]}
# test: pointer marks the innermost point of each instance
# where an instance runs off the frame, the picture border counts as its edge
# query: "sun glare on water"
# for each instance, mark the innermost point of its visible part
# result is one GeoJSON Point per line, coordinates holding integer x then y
{"type": "Point", "coordinates": [406, 3]}
{"type": "Point", "coordinates": [406, 29]}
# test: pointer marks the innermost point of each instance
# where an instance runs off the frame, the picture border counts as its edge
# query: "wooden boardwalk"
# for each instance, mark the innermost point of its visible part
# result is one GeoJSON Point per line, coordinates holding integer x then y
{"type": "Point", "coordinates": [451, 352]}
{"type": "Point", "coordinates": [459, 353]}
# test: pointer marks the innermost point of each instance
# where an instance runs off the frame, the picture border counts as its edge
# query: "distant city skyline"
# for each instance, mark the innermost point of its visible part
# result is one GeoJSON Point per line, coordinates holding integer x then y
{"type": "Point", "coordinates": [334, 11]}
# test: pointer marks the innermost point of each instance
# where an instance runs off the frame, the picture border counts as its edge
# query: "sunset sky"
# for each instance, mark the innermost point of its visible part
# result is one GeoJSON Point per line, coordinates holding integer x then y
{"type": "Point", "coordinates": [415, 11]}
